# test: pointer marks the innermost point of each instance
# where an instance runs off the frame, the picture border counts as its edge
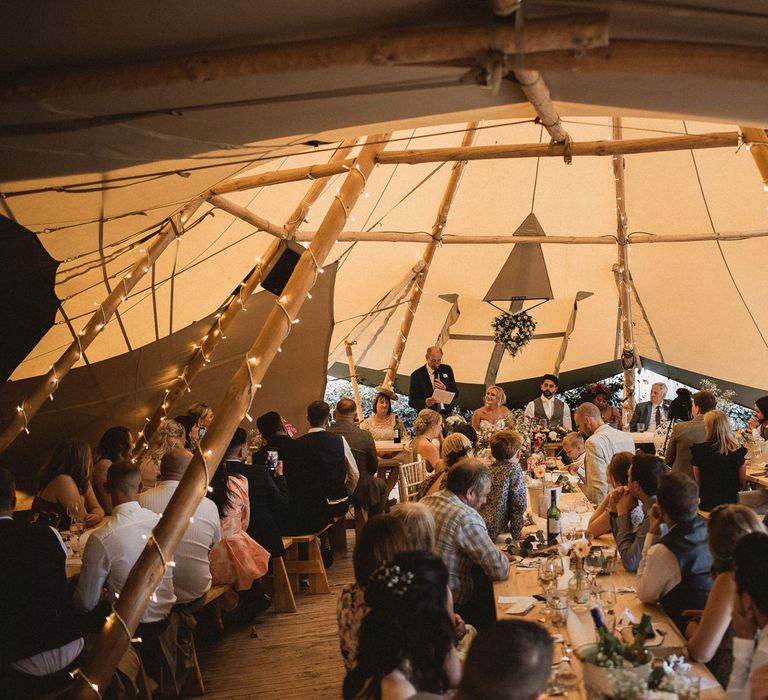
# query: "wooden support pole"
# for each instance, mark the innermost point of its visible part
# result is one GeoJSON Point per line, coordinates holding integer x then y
{"type": "Point", "coordinates": [400, 47]}
{"type": "Point", "coordinates": [503, 8]}
{"type": "Point", "coordinates": [629, 351]}
{"type": "Point", "coordinates": [148, 570]}
{"type": "Point", "coordinates": [638, 238]}
{"type": "Point", "coordinates": [537, 92]}
{"type": "Point", "coordinates": [729, 139]}
{"type": "Point", "coordinates": [52, 380]}
{"type": "Point", "coordinates": [429, 252]}
{"type": "Point", "coordinates": [248, 216]}
{"type": "Point", "coordinates": [757, 143]}
{"type": "Point", "coordinates": [232, 307]}
{"type": "Point", "coordinates": [353, 379]}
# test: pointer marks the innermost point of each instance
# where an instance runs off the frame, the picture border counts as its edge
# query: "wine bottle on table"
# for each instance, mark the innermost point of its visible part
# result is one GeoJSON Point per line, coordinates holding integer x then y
{"type": "Point", "coordinates": [553, 520]}
{"type": "Point", "coordinates": [396, 432]}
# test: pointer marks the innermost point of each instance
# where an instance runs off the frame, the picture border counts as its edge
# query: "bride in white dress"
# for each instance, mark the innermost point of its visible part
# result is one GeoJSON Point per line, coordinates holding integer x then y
{"type": "Point", "coordinates": [491, 415]}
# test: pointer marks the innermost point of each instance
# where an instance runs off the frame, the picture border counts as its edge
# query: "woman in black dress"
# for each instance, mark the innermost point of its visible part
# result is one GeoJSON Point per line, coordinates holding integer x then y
{"type": "Point", "coordinates": [718, 462]}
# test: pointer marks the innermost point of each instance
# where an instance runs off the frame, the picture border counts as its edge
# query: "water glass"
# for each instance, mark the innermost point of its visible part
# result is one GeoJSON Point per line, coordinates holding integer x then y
{"type": "Point", "coordinates": [606, 596]}
{"type": "Point", "coordinates": [594, 562]}
{"type": "Point", "coordinates": [694, 688]}
{"type": "Point", "coordinates": [557, 606]}
{"type": "Point", "coordinates": [641, 427]}
{"type": "Point", "coordinates": [611, 560]}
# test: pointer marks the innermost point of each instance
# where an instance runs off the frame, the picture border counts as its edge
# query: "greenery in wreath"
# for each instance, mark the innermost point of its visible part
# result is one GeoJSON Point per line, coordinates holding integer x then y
{"type": "Point", "coordinates": [513, 331]}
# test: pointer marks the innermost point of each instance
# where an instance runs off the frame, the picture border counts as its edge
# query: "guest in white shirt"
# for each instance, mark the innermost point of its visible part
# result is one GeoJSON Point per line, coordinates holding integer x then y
{"type": "Point", "coordinates": [548, 406]}
{"type": "Point", "coordinates": [602, 443]}
{"type": "Point", "coordinates": [113, 549]}
{"type": "Point", "coordinates": [750, 618]}
{"type": "Point", "coordinates": [192, 573]}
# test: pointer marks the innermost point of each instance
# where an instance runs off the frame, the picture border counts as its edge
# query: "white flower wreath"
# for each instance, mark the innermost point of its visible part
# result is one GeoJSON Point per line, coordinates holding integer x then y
{"type": "Point", "coordinates": [513, 331]}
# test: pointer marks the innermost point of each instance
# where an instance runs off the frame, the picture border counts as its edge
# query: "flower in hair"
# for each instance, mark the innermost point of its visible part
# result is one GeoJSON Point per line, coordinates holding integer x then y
{"type": "Point", "coordinates": [394, 578]}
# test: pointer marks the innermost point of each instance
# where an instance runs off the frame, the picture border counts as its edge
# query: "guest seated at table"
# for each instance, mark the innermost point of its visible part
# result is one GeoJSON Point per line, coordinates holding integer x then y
{"type": "Point", "coordinates": [65, 488]}
{"type": "Point", "coordinates": [681, 407]}
{"type": "Point", "coordinates": [203, 415]}
{"type": "Point", "coordinates": [709, 633]}
{"type": "Point", "coordinates": [275, 437]}
{"type": "Point", "coordinates": [371, 491]}
{"type": "Point", "coordinates": [618, 477]}
{"type": "Point", "coordinates": [236, 559]}
{"type": "Point", "coordinates": [601, 397]}
{"type": "Point", "coordinates": [463, 542]}
{"type": "Point", "coordinates": [454, 448]}
{"type": "Point", "coordinates": [602, 443]}
{"type": "Point", "coordinates": [380, 540]}
{"type": "Point", "coordinates": [547, 406]}
{"type": "Point", "coordinates": [191, 431]}
{"type": "Point", "coordinates": [719, 465]}
{"type": "Point", "coordinates": [467, 431]}
{"type": "Point", "coordinates": [758, 423]}
{"type": "Point", "coordinates": [651, 413]}
{"type": "Point", "coordinates": [406, 640]}
{"type": "Point", "coordinates": [642, 486]}
{"type": "Point", "coordinates": [169, 433]}
{"type": "Point", "coordinates": [427, 428]}
{"type": "Point", "coordinates": [418, 523]}
{"type": "Point", "coordinates": [509, 660]}
{"type": "Point", "coordinates": [675, 568]}
{"type": "Point", "coordinates": [192, 573]}
{"type": "Point", "coordinates": [491, 416]}
{"type": "Point", "coordinates": [686, 434]}
{"type": "Point", "coordinates": [504, 511]}
{"type": "Point", "coordinates": [112, 550]}
{"type": "Point", "coordinates": [573, 446]}
{"type": "Point", "coordinates": [116, 445]}
{"type": "Point", "coordinates": [40, 634]}
{"type": "Point", "coordinates": [750, 615]}
{"type": "Point", "coordinates": [381, 423]}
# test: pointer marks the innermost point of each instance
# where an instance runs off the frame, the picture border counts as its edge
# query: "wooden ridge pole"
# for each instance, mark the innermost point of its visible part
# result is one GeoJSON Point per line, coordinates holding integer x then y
{"type": "Point", "coordinates": [727, 139]}
{"type": "Point", "coordinates": [248, 216]}
{"type": "Point", "coordinates": [575, 32]}
{"type": "Point", "coordinates": [629, 351]}
{"type": "Point", "coordinates": [353, 378]}
{"type": "Point", "coordinates": [638, 238]}
{"type": "Point", "coordinates": [757, 143]}
{"type": "Point", "coordinates": [52, 380]}
{"type": "Point", "coordinates": [232, 307]}
{"type": "Point", "coordinates": [659, 144]}
{"type": "Point", "coordinates": [429, 253]}
{"type": "Point", "coordinates": [537, 92]}
{"type": "Point", "coordinates": [148, 570]}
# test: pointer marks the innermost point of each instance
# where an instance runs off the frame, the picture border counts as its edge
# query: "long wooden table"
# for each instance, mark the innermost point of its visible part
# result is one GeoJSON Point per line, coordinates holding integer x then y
{"type": "Point", "coordinates": [524, 582]}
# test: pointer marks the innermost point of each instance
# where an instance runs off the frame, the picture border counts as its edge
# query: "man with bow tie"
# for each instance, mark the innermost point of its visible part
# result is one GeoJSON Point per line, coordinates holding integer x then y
{"type": "Point", "coordinates": [433, 375]}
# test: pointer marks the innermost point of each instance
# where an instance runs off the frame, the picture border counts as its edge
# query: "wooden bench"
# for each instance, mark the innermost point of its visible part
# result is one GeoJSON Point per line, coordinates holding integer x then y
{"type": "Point", "coordinates": [222, 598]}
{"type": "Point", "coordinates": [312, 567]}
{"type": "Point", "coordinates": [283, 599]}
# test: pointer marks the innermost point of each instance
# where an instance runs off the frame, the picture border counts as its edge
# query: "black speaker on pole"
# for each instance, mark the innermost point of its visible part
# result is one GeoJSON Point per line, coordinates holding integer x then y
{"type": "Point", "coordinates": [283, 263]}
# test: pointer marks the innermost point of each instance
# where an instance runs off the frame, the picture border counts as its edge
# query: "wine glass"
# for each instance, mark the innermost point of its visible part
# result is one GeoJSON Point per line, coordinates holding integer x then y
{"type": "Point", "coordinates": [76, 526]}
{"type": "Point", "coordinates": [594, 561]}
{"type": "Point", "coordinates": [548, 572]}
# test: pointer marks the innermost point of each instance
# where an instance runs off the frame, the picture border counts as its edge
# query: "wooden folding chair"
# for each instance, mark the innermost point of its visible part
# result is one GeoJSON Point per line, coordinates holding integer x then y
{"type": "Point", "coordinates": [411, 476]}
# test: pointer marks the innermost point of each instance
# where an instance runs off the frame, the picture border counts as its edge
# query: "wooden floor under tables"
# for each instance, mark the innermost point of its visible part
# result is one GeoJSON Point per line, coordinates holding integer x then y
{"type": "Point", "coordinates": [295, 655]}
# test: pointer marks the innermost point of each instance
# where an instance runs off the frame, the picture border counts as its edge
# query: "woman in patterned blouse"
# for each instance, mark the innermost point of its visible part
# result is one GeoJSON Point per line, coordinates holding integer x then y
{"type": "Point", "coordinates": [505, 509]}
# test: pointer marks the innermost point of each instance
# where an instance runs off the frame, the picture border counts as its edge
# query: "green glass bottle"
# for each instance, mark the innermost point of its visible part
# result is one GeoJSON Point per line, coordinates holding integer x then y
{"type": "Point", "coordinates": [553, 520]}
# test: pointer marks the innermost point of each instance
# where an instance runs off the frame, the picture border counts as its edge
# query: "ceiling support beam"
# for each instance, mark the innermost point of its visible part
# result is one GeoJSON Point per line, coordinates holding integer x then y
{"type": "Point", "coordinates": [429, 252]}
{"type": "Point", "coordinates": [757, 143]}
{"type": "Point", "coordinates": [401, 47]}
{"type": "Point", "coordinates": [148, 571]}
{"type": "Point", "coordinates": [169, 231]}
{"type": "Point", "coordinates": [537, 92]}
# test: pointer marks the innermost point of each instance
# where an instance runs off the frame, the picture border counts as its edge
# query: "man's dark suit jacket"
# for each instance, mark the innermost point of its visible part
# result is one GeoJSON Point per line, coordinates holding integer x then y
{"type": "Point", "coordinates": [421, 386]}
{"type": "Point", "coordinates": [315, 472]}
{"type": "Point", "coordinates": [268, 498]}
{"type": "Point", "coordinates": [36, 611]}
{"type": "Point", "coordinates": [642, 414]}
{"type": "Point", "coordinates": [371, 491]}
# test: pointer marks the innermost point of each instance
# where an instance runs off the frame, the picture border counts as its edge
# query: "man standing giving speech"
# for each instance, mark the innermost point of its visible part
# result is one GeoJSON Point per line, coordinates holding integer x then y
{"type": "Point", "coordinates": [433, 375]}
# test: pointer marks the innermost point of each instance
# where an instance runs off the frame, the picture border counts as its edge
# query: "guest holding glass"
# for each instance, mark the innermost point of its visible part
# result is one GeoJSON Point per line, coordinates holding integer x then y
{"type": "Point", "coordinates": [601, 397]}
{"type": "Point", "coordinates": [491, 416]}
{"type": "Point", "coordinates": [381, 423]}
{"type": "Point", "coordinates": [65, 488]}
{"type": "Point", "coordinates": [719, 465]}
{"type": "Point", "coordinates": [504, 511]}
{"type": "Point", "coordinates": [758, 423]}
{"type": "Point", "coordinates": [618, 477]}
{"type": "Point", "coordinates": [428, 429]}
{"type": "Point", "coordinates": [709, 633]}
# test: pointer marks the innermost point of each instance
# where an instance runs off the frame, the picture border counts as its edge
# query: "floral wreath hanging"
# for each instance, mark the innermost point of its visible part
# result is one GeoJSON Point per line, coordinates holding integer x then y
{"type": "Point", "coordinates": [513, 331]}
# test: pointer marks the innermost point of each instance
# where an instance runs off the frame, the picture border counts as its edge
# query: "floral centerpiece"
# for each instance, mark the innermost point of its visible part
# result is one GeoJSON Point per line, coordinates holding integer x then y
{"type": "Point", "coordinates": [514, 420]}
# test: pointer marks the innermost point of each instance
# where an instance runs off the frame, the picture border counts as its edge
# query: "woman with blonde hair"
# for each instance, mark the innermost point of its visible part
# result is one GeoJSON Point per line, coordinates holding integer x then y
{"type": "Point", "coordinates": [169, 433]}
{"type": "Point", "coordinates": [491, 415]}
{"type": "Point", "coordinates": [427, 427]}
{"type": "Point", "coordinates": [718, 463]}
{"type": "Point", "coordinates": [418, 523]}
{"type": "Point", "coordinates": [709, 633]}
{"type": "Point", "coordinates": [454, 448]}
